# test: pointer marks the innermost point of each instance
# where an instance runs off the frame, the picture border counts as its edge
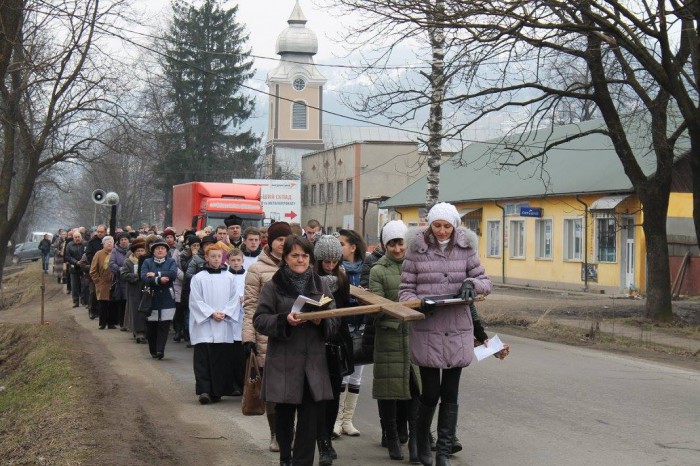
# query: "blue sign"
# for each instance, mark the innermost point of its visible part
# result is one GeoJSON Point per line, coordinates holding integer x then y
{"type": "Point", "coordinates": [531, 212]}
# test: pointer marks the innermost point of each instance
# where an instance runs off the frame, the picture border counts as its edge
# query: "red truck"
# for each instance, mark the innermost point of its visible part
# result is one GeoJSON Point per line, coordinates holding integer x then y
{"type": "Point", "coordinates": [198, 204]}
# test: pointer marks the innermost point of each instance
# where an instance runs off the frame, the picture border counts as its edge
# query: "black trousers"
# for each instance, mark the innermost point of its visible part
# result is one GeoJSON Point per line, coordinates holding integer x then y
{"type": "Point", "coordinates": [179, 319]}
{"type": "Point", "coordinates": [305, 438]}
{"type": "Point", "coordinates": [328, 411]}
{"type": "Point", "coordinates": [157, 335]}
{"type": "Point", "coordinates": [107, 313]}
{"type": "Point", "coordinates": [119, 310]}
{"type": "Point", "coordinates": [76, 289]}
{"type": "Point", "coordinates": [439, 385]}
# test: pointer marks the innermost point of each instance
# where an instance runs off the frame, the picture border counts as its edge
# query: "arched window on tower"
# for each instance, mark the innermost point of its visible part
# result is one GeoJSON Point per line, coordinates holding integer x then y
{"type": "Point", "coordinates": [299, 115]}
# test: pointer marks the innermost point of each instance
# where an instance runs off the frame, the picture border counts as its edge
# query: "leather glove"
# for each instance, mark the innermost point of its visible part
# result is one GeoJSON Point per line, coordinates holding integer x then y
{"type": "Point", "coordinates": [479, 332]}
{"type": "Point", "coordinates": [426, 307]}
{"type": "Point", "coordinates": [249, 347]}
{"type": "Point", "coordinates": [467, 292]}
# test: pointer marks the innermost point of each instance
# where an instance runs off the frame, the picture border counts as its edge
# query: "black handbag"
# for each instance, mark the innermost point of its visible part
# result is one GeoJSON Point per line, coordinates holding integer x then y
{"type": "Point", "coordinates": [339, 364]}
{"type": "Point", "coordinates": [362, 353]}
{"type": "Point", "coordinates": [145, 301]}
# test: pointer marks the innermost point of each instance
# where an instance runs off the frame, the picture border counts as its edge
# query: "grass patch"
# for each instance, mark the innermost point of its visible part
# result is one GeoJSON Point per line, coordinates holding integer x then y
{"type": "Point", "coordinates": [43, 404]}
{"type": "Point", "coordinates": [676, 328]}
{"type": "Point", "coordinates": [22, 287]}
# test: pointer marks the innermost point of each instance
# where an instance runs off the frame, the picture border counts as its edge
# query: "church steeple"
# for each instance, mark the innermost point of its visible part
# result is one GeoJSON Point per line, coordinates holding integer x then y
{"type": "Point", "coordinates": [296, 88]}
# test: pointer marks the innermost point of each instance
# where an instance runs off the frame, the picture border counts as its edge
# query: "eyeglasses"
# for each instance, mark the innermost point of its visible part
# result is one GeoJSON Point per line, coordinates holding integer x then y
{"type": "Point", "coordinates": [299, 256]}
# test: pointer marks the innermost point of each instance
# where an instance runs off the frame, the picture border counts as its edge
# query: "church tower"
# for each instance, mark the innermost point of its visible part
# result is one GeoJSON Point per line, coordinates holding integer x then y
{"type": "Point", "coordinates": [296, 97]}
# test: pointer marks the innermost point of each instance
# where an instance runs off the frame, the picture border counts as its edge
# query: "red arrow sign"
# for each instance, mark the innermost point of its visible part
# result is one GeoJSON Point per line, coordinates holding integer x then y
{"type": "Point", "coordinates": [291, 215]}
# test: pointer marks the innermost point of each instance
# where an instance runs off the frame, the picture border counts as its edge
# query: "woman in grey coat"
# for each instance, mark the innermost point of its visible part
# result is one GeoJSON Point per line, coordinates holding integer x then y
{"type": "Point", "coordinates": [442, 260]}
{"type": "Point", "coordinates": [129, 275]}
{"type": "Point", "coordinates": [296, 370]}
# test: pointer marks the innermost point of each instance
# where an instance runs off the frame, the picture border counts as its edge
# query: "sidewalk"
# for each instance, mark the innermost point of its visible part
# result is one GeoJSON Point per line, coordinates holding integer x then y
{"type": "Point", "coordinates": [618, 329]}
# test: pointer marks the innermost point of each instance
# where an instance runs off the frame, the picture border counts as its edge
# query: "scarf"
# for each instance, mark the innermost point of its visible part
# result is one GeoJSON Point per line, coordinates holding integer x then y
{"type": "Point", "coordinates": [299, 280]}
{"type": "Point", "coordinates": [331, 281]}
{"type": "Point", "coordinates": [353, 270]}
{"type": "Point", "coordinates": [159, 261]}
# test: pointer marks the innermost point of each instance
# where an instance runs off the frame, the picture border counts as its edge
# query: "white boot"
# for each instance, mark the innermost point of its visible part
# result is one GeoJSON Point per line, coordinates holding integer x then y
{"type": "Point", "coordinates": [337, 428]}
{"type": "Point", "coordinates": [350, 403]}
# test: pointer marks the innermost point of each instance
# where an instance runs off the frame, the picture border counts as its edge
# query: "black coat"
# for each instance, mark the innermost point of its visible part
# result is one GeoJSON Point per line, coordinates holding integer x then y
{"type": "Point", "coordinates": [293, 353]}
{"type": "Point", "coordinates": [94, 245]}
{"type": "Point", "coordinates": [74, 252]}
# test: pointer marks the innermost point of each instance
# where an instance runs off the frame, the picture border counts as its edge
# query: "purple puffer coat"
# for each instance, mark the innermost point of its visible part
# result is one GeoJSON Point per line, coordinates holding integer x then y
{"type": "Point", "coordinates": [444, 339]}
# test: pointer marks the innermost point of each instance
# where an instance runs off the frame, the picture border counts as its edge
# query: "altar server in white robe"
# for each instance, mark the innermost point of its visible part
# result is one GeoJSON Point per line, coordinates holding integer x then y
{"type": "Point", "coordinates": [215, 314]}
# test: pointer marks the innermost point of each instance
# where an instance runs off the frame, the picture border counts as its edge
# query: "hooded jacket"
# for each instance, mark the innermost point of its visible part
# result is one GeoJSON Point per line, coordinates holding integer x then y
{"type": "Point", "coordinates": [445, 338]}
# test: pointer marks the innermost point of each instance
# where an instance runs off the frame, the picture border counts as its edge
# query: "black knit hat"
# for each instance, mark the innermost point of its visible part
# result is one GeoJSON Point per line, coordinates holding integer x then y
{"type": "Point", "coordinates": [278, 229]}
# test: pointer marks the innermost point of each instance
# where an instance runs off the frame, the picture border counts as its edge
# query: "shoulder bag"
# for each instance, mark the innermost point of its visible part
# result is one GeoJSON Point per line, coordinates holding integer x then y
{"type": "Point", "coordinates": [252, 403]}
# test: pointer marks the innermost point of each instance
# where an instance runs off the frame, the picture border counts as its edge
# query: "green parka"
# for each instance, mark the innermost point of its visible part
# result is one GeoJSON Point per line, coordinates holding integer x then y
{"type": "Point", "coordinates": [392, 363]}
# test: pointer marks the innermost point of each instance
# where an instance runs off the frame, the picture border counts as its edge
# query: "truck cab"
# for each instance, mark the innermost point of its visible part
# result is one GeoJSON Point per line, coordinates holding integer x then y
{"type": "Point", "coordinates": [198, 204]}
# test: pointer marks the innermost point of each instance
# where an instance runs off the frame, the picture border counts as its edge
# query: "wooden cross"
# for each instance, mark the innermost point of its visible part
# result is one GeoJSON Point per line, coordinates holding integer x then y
{"type": "Point", "coordinates": [404, 310]}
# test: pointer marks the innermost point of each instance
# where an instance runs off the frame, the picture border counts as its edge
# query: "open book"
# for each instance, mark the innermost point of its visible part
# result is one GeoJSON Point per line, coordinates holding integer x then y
{"type": "Point", "coordinates": [302, 300]}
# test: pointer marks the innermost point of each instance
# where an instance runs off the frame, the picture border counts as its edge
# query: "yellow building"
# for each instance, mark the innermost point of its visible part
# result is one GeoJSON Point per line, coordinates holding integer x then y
{"type": "Point", "coordinates": [543, 222]}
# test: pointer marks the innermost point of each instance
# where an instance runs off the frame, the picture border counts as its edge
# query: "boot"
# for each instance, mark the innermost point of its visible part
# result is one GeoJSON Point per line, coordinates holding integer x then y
{"type": "Point", "coordinates": [456, 445]}
{"type": "Point", "coordinates": [423, 422]}
{"type": "Point", "coordinates": [334, 454]}
{"type": "Point", "coordinates": [348, 412]}
{"type": "Point", "coordinates": [387, 414]}
{"type": "Point", "coordinates": [446, 428]}
{"type": "Point", "coordinates": [338, 427]}
{"type": "Point", "coordinates": [274, 446]}
{"type": "Point", "coordinates": [412, 436]}
{"type": "Point", "coordinates": [324, 453]}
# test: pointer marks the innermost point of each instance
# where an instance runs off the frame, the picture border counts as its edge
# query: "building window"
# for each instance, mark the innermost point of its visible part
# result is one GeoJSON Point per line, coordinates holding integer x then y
{"type": "Point", "coordinates": [348, 190]}
{"type": "Point", "coordinates": [330, 193]}
{"type": "Point", "coordinates": [517, 239]}
{"type": "Point", "coordinates": [298, 115]}
{"type": "Point", "coordinates": [313, 194]}
{"type": "Point", "coordinates": [299, 84]}
{"type": "Point", "coordinates": [606, 239]}
{"type": "Point", "coordinates": [513, 208]}
{"type": "Point", "coordinates": [493, 238]}
{"type": "Point", "coordinates": [339, 192]}
{"type": "Point", "coordinates": [321, 193]}
{"type": "Point", "coordinates": [573, 239]}
{"type": "Point", "coordinates": [304, 195]}
{"type": "Point", "coordinates": [543, 238]}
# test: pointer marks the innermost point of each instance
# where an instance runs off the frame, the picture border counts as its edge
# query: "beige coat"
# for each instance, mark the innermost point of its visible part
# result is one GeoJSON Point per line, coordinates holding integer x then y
{"type": "Point", "coordinates": [257, 275]}
{"type": "Point", "coordinates": [101, 274]}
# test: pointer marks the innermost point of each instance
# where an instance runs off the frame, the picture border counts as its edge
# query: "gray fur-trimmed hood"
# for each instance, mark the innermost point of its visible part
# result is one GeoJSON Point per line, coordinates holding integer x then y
{"type": "Point", "coordinates": [464, 238]}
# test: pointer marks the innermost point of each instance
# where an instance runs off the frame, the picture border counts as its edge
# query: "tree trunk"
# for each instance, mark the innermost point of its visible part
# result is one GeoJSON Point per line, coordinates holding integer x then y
{"type": "Point", "coordinates": [695, 169]}
{"type": "Point", "coordinates": [437, 83]}
{"type": "Point", "coordinates": [658, 300]}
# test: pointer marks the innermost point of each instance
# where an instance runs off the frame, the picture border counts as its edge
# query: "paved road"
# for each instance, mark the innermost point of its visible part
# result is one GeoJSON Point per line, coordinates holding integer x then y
{"type": "Point", "coordinates": [547, 404]}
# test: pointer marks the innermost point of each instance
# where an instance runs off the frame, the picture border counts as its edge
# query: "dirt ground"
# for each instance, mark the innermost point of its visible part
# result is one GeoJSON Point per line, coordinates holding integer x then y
{"type": "Point", "coordinates": [135, 415]}
{"type": "Point", "coordinates": [138, 415]}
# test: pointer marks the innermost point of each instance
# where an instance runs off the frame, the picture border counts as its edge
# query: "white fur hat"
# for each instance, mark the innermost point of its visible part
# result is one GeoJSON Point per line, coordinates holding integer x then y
{"type": "Point", "coordinates": [394, 229]}
{"type": "Point", "coordinates": [444, 211]}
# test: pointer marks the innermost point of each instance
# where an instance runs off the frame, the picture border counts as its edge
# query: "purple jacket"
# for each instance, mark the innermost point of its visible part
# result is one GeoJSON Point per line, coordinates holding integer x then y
{"type": "Point", "coordinates": [444, 339]}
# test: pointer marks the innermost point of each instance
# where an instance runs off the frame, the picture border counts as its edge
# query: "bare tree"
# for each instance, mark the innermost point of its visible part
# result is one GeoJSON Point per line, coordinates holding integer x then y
{"type": "Point", "coordinates": [57, 93]}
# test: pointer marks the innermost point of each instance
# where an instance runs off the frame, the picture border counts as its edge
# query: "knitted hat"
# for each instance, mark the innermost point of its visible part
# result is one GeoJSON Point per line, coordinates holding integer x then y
{"type": "Point", "coordinates": [139, 242]}
{"type": "Point", "coordinates": [168, 232]}
{"type": "Point", "coordinates": [233, 220]}
{"type": "Point", "coordinates": [444, 211]}
{"type": "Point", "coordinates": [328, 248]}
{"type": "Point", "coordinates": [395, 229]}
{"type": "Point", "coordinates": [121, 235]}
{"type": "Point", "coordinates": [276, 230]}
{"type": "Point", "coordinates": [107, 238]}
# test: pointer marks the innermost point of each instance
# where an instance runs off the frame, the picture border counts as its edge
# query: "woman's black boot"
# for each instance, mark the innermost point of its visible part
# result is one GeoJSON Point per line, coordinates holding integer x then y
{"type": "Point", "coordinates": [324, 453]}
{"type": "Point", "coordinates": [423, 422]}
{"type": "Point", "coordinates": [446, 428]}
{"type": "Point", "coordinates": [387, 414]}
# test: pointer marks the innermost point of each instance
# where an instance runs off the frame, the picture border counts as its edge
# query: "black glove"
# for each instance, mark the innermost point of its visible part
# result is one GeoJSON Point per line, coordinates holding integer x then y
{"type": "Point", "coordinates": [249, 347]}
{"type": "Point", "coordinates": [479, 332]}
{"type": "Point", "coordinates": [427, 307]}
{"type": "Point", "coordinates": [467, 292]}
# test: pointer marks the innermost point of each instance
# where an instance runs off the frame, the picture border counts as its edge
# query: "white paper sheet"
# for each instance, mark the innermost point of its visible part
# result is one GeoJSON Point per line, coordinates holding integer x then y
{"type": "Point", "coordinates": [495, 345]}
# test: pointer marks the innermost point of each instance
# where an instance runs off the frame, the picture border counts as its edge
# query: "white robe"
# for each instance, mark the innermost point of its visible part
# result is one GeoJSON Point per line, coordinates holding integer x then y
{"type": "Point", "coordinates": [209, 293]}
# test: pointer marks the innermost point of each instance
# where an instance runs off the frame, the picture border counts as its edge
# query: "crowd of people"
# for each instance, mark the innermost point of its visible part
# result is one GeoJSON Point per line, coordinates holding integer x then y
{"type": "Point", "coordinates": [228, 293]}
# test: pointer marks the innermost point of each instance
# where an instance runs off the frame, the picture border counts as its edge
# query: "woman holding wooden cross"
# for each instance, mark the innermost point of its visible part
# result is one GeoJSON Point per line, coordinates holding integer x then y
{"type": "Point", "coordinates": [442, 260]}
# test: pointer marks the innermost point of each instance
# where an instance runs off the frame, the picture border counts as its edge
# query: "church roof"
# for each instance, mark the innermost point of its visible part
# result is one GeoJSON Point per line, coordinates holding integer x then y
{"type": "Point", "coordinates": [297, 38]}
